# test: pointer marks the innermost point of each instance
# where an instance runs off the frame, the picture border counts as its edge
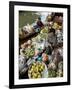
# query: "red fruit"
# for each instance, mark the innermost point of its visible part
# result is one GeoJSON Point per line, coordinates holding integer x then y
{"type": "Point", "coordinates": [45, 57]}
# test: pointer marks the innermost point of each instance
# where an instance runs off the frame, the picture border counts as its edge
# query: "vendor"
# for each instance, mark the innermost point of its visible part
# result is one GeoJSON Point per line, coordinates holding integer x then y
{"type": "Point", "coordinates": [38, 25]}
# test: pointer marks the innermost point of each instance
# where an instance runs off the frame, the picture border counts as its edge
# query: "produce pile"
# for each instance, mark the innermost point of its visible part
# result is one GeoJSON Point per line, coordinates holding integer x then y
{"type": "Point", "coordinates": [37, 70]}
{"type": "Point", "coordinates": [42, 55]}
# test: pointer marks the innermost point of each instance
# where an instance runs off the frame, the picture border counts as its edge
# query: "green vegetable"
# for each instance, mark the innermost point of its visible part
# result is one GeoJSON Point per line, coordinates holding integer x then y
{"type": "Point", "coordinates": [52, 73]}
{"type": "Point", "coordinates": [29, 52]}
{"type": "Point", "coordinates": [45, 30]}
